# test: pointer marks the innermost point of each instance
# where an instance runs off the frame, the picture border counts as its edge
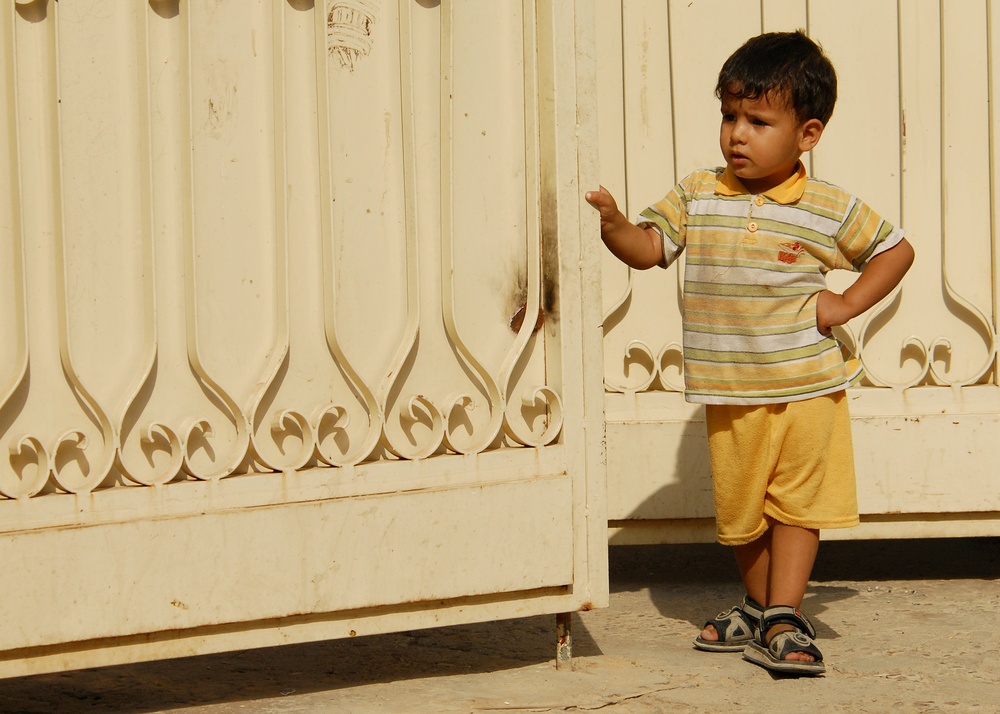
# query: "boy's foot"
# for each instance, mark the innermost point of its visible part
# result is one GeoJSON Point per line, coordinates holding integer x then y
{"type": "Point", "coordinates": [732, 630]}
{"type": "Point", "coordinates": [794, 655]}
{"type": "Point", "coordinates": [785, 643]}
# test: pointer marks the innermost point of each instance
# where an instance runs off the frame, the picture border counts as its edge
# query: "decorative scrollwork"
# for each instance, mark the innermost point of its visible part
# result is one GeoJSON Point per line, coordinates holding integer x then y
{"type": "Point", "coordinates": [422, 426]}
{"type": "Point", "coordinates": [30, 468]}
{"type": "Point", "coordinates": [645, 359]}
{"type": "Point", "coordinates": [670, 366]}
{"type": "Point", "coordinates": [290, 425]}
{"type": "Point", "coordinates": [156, 437]}
{"type": "Point", "coordinates": [537, 418]}
{"type": "Point", "coordinates": [47, 403]}
{"type": "Point", "coordinates": [172, 420]}
{"type": "Point", "coordinates": [938, 350]}
{"type": "Point", "coordinates": [334, 431]}
{"type": "Point", "coordinates": [666, 365]}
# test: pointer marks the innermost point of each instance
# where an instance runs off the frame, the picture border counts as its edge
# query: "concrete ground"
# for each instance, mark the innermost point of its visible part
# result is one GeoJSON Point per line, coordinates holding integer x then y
{"type": "Point", "coordinates": [906, 626]}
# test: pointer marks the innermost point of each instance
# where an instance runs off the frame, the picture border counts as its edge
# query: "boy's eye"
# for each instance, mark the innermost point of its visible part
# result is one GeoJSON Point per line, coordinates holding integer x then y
{"type": "Point", "coordinates": [728, 117]}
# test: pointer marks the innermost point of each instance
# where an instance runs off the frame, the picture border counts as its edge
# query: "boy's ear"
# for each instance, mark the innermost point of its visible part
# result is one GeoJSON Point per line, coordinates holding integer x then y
{"type": "Point", "coordinates": [810, 134]}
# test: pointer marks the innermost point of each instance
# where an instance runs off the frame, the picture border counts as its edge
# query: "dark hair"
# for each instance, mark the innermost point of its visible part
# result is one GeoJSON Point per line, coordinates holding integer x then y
{"type": "Point", "coordinates": [784, 65]}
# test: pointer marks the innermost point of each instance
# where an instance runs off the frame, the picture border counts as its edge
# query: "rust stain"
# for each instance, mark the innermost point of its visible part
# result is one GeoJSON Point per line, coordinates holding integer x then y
{"type": "Point", "coordinates": [517, 319]}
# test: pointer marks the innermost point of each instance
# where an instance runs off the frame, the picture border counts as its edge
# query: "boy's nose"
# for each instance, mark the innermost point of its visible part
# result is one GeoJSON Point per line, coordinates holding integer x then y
{"type": "Point", "coordinates": [738, 133]}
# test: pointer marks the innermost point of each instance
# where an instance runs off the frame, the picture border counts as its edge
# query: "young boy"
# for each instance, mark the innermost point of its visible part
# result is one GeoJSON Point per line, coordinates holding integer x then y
{"type": "Point", "coordinates": [758, 350]}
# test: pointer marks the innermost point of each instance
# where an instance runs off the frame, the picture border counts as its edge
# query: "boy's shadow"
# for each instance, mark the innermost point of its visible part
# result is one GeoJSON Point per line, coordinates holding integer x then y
{"type": "Point", "coordinates": [694, 582]}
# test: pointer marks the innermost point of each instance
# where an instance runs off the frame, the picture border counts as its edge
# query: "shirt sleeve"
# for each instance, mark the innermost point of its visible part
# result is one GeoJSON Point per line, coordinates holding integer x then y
{"type": "Point", "coordinates": [668, 217]}
{"type": "Point", "coordinates": [864, 234]}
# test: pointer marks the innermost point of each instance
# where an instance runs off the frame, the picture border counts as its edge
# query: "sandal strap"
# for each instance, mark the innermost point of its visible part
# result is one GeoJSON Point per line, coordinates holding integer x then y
{"type": "Point", "coordinates": [785, 615]}
{"type": "Point", "coordinates": [784, 643]}
{"type": "Point", "coordinates": [752, 609]}
{"type": "Point", "coordinates": [733, 625]}
{"type": "Point", "coordinates": [739, 622]}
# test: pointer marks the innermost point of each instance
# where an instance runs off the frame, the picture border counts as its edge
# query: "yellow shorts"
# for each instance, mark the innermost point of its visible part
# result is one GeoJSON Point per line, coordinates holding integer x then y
{"type": "Point", "coordinates": [791, 463]}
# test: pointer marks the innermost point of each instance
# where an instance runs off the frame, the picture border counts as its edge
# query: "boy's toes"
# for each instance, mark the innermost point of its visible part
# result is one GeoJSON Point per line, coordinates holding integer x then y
{"type": "Point", "coordinates": [710, 634]}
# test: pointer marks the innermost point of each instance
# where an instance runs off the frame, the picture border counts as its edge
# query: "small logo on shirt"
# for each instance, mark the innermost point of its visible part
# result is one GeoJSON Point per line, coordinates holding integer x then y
{"type": "Point", "coordinates": [789, 252]}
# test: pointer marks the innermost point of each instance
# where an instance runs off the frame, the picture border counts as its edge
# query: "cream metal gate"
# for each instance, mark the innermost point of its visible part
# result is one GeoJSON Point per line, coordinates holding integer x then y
{"type": "Point", "coordinates": [915, 134]}
{"type": "Point", "coordinates": [302, 332]}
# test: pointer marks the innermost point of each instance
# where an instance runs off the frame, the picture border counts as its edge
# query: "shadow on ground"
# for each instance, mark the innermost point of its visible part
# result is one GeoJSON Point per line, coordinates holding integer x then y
{"type": "Point", "coordinates": [294, 669]}
{"type": "Point", "coordinates": [694, 582]}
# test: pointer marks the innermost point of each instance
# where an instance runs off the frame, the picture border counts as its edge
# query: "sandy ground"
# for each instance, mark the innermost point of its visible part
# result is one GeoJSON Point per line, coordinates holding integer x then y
{"type": "Point", "coordinates": [906, 626]}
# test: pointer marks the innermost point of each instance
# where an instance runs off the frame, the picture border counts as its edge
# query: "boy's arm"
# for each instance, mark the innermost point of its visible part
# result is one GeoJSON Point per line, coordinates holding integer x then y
{"type": "Point", "coordinates": [639, 248]}
{"type": "Point", "coordinates": [878, 279]}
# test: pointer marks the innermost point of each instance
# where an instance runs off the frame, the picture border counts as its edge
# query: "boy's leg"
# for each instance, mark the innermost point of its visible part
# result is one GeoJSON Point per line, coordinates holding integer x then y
{"type": "Point", "coordinates": [752, 559]}
{"type": "Point", "coordinates": [776, 566]}
{"type": "Point", "coordinates": [775, 570]}
{"type": "Point", "coordinates": [739, 445]}
{"type": "Point", "coordinates": [792, 555]}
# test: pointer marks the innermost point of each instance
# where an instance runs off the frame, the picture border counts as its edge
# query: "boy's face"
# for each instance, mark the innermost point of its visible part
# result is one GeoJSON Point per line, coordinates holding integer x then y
{"type": "Point", "coordinates": [762, 140]}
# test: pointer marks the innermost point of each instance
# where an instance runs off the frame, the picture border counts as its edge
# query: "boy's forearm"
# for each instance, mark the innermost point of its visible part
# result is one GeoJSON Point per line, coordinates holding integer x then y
{"type": "Point", "coordinates": [880, 277]}
{"type": "Point", "coordinates": [639, 248]}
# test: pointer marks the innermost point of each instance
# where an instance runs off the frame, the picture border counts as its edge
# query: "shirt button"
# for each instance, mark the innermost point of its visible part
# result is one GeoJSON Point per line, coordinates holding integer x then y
{"type": "Point", "coordinates": [752, 226]}
{"type": "Point", "coordinates": [759, 200]}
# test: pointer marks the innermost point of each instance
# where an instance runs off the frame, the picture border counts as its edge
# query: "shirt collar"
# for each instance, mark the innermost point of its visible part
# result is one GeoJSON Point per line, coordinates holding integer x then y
{"type": "Point", "coordinates": [789, 191]}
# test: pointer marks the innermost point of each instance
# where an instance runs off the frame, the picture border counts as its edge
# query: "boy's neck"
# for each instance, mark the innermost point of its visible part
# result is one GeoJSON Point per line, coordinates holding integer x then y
{"type": "Point", "coordinates": [758, 186]}
{"type": "Point", "coordinates": [789, 191]}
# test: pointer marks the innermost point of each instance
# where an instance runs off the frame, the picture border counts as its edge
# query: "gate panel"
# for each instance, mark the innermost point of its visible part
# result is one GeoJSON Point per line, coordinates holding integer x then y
{"type": "Point", "coordinates": [303, 327]}
{"type": "Point", "coordinates": [910, 135]}
{"type": "Point", "coordinates": [205, 570]}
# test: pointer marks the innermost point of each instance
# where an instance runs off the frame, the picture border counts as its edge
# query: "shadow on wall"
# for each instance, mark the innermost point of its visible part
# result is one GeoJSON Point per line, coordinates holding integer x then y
{"type": "Point", "coordinates": [693, 581]}
{"type": "Point", "coordinates": [671, 456]}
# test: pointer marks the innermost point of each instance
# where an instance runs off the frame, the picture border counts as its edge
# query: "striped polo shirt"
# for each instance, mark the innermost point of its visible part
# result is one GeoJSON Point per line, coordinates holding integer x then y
{"type": "Point", "coordinates": [754, 267]}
